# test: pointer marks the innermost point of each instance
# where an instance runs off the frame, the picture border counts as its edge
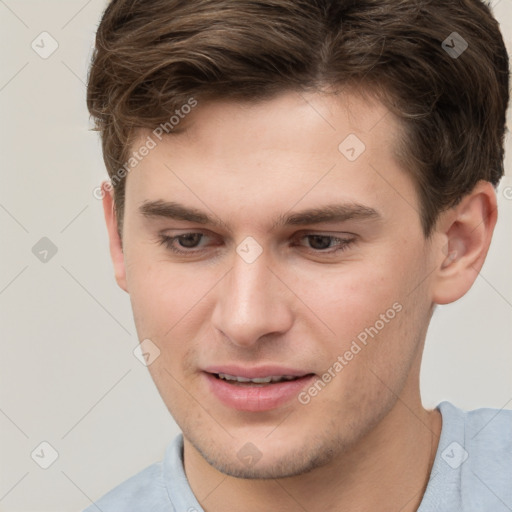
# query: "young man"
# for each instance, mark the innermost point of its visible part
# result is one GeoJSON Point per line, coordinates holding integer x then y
{"type": "Point", "coordinates": [295, 185]}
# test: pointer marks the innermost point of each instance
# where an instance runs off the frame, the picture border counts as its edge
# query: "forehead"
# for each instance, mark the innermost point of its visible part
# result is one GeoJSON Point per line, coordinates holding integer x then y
{"type": "Point", "coordinates": [289, 121]}
{"type": "Point", "coordinates": [267, 157]}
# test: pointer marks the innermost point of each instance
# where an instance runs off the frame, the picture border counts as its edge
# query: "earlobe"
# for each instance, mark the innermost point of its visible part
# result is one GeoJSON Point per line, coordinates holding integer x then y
{"type": "Point", "coordinates": [115, 243]}
{"type": "Point", "coordinates": [466, 231]}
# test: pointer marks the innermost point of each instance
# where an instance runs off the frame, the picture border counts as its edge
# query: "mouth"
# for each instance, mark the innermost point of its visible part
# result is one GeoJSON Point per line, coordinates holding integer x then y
{"type": "Point", "coordinates": [256, 390]}
{"type": "Point", "coordinates": [258, 381]}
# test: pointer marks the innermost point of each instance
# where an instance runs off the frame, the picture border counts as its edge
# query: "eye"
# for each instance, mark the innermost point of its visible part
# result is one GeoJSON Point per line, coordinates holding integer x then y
{"type": "Point", "coordinates": [182, 244]}
{"type": "Point", "coordinates": [316, 243]}
{"type": "Point", "coordinates": [320, 243]}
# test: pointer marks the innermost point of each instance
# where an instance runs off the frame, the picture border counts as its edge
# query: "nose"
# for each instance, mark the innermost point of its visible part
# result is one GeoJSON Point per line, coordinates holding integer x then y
{"type": "Point", "coordinates": [252, 303]}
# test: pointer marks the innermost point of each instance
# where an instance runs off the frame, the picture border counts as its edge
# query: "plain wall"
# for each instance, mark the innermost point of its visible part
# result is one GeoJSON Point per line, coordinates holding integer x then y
{"type": "Point", "coordinates": [68, 374]}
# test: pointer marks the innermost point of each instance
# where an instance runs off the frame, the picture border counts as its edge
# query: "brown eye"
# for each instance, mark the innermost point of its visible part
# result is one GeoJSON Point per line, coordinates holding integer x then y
{"type": "Point", "coordinates": [319, 242]}
{"type": "Point", "coordinates": [190, 240]}
{"type": "Point", "coordinates": [188, 243]}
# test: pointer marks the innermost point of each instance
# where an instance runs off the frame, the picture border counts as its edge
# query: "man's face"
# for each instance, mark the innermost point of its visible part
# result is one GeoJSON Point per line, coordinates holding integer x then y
{"type": "Point", "coordinates": [261, 290]}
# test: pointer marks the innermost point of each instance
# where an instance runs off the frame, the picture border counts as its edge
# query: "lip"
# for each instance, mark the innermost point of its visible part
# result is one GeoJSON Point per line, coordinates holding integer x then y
{"type": "Point", "coordinates": [256, 398]}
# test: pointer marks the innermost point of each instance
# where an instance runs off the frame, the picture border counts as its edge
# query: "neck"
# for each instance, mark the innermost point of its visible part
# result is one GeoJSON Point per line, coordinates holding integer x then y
{"type": "Point", "coordinates": [388, 469]}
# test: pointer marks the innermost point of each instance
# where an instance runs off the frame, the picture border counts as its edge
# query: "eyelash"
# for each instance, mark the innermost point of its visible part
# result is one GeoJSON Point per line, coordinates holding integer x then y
{"type": "Point", "coordinates": [168, 242]}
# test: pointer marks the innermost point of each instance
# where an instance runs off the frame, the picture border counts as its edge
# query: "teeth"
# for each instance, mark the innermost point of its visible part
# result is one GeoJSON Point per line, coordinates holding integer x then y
{"type": "Point", "coordinates": [261, 380]}
{"type": "Point", "coordinates": [258, 380]}
{"type": "Point", "coordinates": [225, 376]}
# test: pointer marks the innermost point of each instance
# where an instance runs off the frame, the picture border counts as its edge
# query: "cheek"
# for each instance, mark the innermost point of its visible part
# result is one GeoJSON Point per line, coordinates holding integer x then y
{"type": "Point", "coordinates": [164, 294]}
{"type": "Point", "coordinates": [351, 299]}
{"type": "Point", "coordinates": [376, 312]}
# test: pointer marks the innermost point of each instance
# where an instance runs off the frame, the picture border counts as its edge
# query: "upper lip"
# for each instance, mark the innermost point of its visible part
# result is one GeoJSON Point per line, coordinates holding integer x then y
{"type": "Point", "coordinates": [256, 372]}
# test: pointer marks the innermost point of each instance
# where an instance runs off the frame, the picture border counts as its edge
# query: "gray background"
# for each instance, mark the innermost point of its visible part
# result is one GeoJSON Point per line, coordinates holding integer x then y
{"type": "Point", "coordinates": [68, 373]}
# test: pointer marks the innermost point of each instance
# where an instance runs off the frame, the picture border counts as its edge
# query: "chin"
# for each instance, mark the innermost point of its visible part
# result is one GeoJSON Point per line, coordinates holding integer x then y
{"type": "Point", "coordinates": [267, 460]}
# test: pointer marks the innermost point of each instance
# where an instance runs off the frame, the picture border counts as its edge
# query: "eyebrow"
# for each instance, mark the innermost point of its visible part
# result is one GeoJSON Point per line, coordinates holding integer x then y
{"type": "Point", "coordinates": [331, 213]}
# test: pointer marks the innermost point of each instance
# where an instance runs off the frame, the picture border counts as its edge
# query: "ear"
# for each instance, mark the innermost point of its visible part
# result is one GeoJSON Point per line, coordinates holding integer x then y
{"type": "Point", "coordinates": [116, 246]}
{"type": "Point", "coordinates": [465, 233]}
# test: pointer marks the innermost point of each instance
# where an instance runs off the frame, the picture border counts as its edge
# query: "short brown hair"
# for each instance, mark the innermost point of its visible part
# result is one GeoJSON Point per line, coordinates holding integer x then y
{"type": "Point", "coordinates": [153, 56]}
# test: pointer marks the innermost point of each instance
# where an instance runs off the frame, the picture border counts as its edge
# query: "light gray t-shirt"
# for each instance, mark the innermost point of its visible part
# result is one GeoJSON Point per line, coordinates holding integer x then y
{"type": "Point", "coordinates": [472, 471]}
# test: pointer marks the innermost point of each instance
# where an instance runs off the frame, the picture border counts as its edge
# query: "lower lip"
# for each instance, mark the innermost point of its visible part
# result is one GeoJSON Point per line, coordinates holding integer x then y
{"type": "Point", "coordinates": [256, 398]}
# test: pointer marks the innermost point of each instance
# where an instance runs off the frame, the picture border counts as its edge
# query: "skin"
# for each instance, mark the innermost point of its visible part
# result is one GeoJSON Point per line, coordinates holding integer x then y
{"type": "Point", "coordinates": [364, 442]}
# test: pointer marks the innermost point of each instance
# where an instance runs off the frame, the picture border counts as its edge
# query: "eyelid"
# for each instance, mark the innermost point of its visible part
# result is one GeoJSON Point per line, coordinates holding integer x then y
{"type": "Point", "coordinates": [344, 242]}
